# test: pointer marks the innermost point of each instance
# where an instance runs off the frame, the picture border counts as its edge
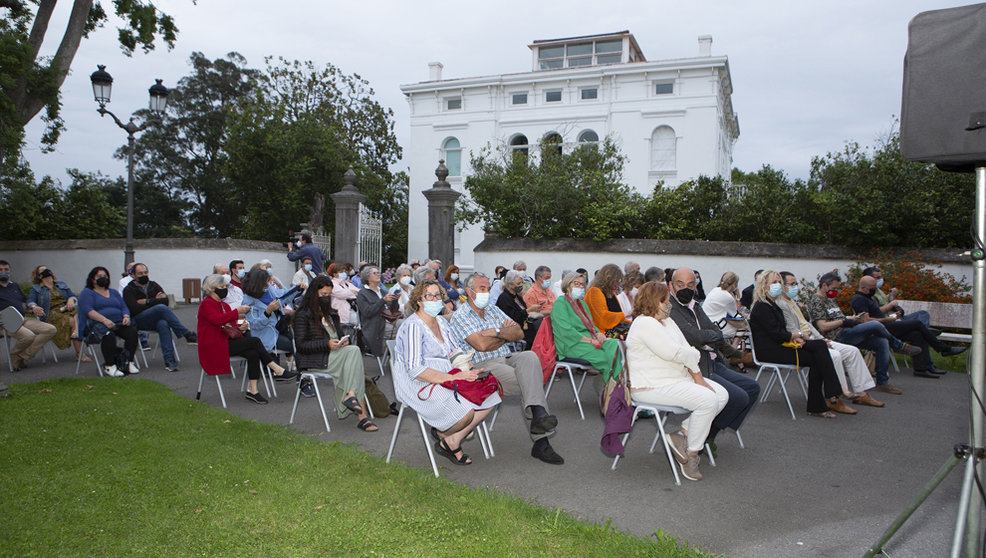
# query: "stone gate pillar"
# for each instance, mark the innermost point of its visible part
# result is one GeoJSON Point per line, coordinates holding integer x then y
{"type": "Point", "coordinates": [347, 203]}
{"type": "Point", "coordinates": [441, 217]}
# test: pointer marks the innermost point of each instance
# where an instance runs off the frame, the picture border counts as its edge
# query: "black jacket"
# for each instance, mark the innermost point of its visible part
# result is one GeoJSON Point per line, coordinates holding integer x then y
{"type": "Point", "coordinates": [769, 331]}
{"type": "Point", "coordinates": [312, 343]}
{"type": "Point", "coordinates": [699, 331]}
{"type": "Point", "coordinates": [132, 293]}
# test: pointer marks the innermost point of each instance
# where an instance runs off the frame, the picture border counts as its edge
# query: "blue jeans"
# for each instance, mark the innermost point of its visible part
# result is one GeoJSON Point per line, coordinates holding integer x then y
{"type": "Point", "coordinates": [873, 336]}
{"type": "Point", "coordinates": [921, 315]}
{"type": "Point", "coordinates": [743, 394]}
{"type": "Point", "coordinates": [161, 319]}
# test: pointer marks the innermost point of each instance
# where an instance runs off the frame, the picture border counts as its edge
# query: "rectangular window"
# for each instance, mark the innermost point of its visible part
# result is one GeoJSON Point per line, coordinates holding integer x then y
{"type": "Point", "coordinates": [580, 49]}
{"type": "Point", "coordinates": [453, 103]}
{"type": "Point", "coordinates": [609, 46]}
{"type": "Point", "coordinates": [552, 64]}
{"type": "Point", "coordinates": [551, 52]}
{"type": "Point", "coordinates": [665, 88]}
{"type": "Point", "coordinates": [519, 99]}
{"type": "Point", "coordinates": [589, 93]}
{"type": "Point", "coordinates": [609, 59]}
{"type": "Point", "coordinates": [552, 96]}
{"type": "Point", "coordinates": [576, 62]}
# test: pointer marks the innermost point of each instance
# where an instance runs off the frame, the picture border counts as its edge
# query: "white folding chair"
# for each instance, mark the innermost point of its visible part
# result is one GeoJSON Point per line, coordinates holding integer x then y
{"type": "Point", "coordinates": [314, 377]}
{"type": "Point", "coordinates": [157, 345]}
{"type": "Point", "coordinates": [265, 373]}
{"type": "Point", "coordinates": [572, 366]}
{"type": "Point", "coordinates": [482, 432]}
{"type": "Point", "coordinates": [780, 374]}
{"type": "Point", "coordinates": [660, 413]}
{"type": "Point", "coordinates": [12, 320]}
{"type": "Point", "coordinates": [222, 397]}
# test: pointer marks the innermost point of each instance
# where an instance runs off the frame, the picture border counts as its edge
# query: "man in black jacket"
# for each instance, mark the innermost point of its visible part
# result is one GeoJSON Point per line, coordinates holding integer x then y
{"type": "Point", "coordinates": [148, 306]}
{"type": "Point", "coordinates": [705, 336]}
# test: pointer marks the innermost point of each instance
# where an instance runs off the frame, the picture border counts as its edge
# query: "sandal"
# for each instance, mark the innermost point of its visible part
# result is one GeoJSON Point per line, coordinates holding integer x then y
{"type": "Point", "coordinates": [443, 449]}
{"type": "Point", "coordinates": [366, 425]}
{"type": "Point", "coordinates": [824, 414]}
{"type": "Point", "coordinates": [353, 405]}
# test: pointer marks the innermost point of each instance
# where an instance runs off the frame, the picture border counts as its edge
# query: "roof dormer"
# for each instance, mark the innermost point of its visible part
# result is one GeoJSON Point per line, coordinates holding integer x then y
{"type": "Point", "coordinates": [588, 50]}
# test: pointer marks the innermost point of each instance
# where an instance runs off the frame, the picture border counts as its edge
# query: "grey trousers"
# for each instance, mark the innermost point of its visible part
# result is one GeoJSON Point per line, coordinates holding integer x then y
{"type": "Point", "coordinates": [519, 373]}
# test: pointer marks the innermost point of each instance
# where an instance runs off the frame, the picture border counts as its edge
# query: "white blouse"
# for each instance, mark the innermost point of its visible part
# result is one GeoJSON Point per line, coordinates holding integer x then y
{"type": "Point", "coordinates": [658, 353]}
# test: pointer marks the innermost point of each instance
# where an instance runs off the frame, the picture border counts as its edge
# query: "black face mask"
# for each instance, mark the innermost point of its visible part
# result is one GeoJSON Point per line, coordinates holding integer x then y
{"type": "Point", "coordinates": [143, 280]}
{"type": "Point", "coordinates": [46, 273]}
{"type": "Point", "coordinates": [103, 282]}
{"type": "Point", "coordinates": [684, 296]}
{"type": "Point", "coordinates": [221, 293]}
{"type": "Point", "coordinates": [325, 302]}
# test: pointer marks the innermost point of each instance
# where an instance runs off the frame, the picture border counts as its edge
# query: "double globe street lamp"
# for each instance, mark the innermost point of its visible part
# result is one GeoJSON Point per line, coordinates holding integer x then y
{"type": "Point", "coordinates": [102, 84]}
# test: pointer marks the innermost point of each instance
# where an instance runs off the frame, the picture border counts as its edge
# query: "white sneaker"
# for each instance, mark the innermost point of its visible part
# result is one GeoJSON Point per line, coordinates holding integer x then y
{"type": "Point", "coordinates": [133, 368]}
{"type": "Point", "coordinates": [112, 371]}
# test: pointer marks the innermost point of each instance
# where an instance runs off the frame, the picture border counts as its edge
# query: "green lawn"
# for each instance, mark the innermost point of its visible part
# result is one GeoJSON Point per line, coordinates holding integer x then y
{"type": "Point", "coordinates": [112, 468]}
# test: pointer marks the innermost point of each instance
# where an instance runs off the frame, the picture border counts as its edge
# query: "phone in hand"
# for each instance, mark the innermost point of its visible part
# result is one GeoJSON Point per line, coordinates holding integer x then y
{"type": "Point", "coordinates": [343, 339]}
{"type": "Point", "coordinates": [482, 374]}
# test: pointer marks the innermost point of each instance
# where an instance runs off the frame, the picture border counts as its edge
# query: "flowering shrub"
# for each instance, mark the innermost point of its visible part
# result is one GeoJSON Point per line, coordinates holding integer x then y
{"type": "Point", "coordinates": [914, 279]}
{"type": "Point", "coordinates": [387, 277]}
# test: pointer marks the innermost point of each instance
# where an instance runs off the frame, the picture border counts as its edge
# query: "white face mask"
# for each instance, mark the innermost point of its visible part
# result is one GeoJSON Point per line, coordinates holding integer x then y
{"type": "Point", "coordinates": [406, 280]}
{"type": "Point", "coordinates": [342, 275]}
{"type": "Point", "coordinates": [633, 291]}
{"type": "Point", "coordinates": [227, 278]}
{"type": "Point", "coordinates": [482, 300]}
{"type": "Point", "coordinates": [454, 276]}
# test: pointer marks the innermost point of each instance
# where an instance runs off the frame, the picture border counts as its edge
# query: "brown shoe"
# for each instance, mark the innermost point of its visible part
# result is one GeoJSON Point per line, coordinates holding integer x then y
{"type": "Point", "coordinates": [908, 349]}
{"type": "Point", "coordinates": [888, 388]}
{"type": "Point", "coordinates": [867, 399]}
{"type": "Point", "coordinates": [679, 447]}
{"type": "Point", "coordinates": [840, 406]}
{"type": "Point", "coordinates": [689, 469]}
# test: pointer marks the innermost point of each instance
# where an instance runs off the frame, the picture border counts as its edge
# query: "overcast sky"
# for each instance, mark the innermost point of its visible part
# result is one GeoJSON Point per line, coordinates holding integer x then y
{"type": "Point", "coordinates": [807, 76]}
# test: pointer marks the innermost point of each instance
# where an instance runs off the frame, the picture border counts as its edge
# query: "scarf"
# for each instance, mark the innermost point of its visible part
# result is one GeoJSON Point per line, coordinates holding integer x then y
{"type": "Point", "coordinates": [580, 312]}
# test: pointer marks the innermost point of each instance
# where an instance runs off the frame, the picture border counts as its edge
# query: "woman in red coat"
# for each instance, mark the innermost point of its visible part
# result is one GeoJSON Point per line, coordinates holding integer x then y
{"type": "Point", "coordinates": [215, 347]}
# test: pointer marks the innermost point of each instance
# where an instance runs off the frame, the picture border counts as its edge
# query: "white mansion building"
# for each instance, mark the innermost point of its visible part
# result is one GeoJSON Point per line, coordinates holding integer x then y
{"type": "Point", "coordinates": [672, 119]}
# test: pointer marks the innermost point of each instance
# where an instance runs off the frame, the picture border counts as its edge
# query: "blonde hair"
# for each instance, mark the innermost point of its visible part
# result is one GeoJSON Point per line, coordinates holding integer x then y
{"type": "Point", "coordinates": [728, 279]}
{"type": "Point", "coordinates": [763, 284]}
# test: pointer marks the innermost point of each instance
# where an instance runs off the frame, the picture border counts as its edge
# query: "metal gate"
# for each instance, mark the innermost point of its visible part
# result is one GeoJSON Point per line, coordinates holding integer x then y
{"type": "Point", "coordinates": [369, 245]}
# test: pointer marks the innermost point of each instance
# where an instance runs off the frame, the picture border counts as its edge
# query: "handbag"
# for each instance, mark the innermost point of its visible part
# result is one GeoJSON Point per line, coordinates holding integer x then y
{"type": "Point", "coordinates": [391, 314]}
{"type": "Point", "coordinates": [475, 391]}
{"type": "Point", "coordinates": [618, 385]}
{"type": "Point", "coordinates": [231, 330]}
{"type": "Point", "coordinates": [620, 331]}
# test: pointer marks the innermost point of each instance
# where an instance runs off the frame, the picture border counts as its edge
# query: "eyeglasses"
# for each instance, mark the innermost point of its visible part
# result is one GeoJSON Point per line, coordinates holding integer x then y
{"type": "Point", "coordinates": [429, 296]}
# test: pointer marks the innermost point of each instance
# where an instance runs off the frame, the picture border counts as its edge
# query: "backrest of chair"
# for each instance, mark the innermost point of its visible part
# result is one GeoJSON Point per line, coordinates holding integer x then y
{"type": "Point", "coordinates": [11, 318]}
{"type": "Point", "coordinates": [391, 347]}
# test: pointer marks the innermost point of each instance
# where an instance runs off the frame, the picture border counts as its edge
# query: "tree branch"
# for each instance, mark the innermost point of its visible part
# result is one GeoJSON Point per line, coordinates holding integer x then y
{"type": "Point", "coordinates": [40, 26]}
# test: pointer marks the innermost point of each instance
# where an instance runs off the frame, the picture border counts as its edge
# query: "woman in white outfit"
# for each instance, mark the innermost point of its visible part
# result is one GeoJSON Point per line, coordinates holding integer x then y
{"type": "Point", "coordinates": [664, 370]}
{"type": "Point", "coordinates": [721, 302]}
{"type": "Point", "coordinates": [421, 363]}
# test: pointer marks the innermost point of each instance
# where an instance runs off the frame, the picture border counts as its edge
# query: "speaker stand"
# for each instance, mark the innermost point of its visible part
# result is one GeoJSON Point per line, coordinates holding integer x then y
{"type": "Point", "coordinates": [968, 523]}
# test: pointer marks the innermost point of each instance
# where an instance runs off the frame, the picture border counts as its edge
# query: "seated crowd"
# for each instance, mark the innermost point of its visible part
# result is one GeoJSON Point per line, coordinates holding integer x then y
{"type": "Point", "coordinates": [499, 335]}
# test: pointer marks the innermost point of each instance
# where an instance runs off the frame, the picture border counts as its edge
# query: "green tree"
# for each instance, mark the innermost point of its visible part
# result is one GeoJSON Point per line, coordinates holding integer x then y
{"type": "Point", "coordinates": [578, 194]}
{"type": "Point", "coordinates": [295, 136]}
{"type": "Point", "coordinates": [765, 206]}
{"type": "Point", "coordinates": [42, 210]}
{"type": "Point", "coordinates": [695, 210]}
{"type": "Point", "coordinates": [30, 83]}
{"type": "Point", "coordinates": [884, 200]}
{"type": "Point", "coordinates": [181, 183]}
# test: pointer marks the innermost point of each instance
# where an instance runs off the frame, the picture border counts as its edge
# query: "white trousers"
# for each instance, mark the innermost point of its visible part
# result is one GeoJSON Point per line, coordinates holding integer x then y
{"type": "Point", "coordinates": [849, 365]}
{"type": "Point", "coordinates": [703, 403]}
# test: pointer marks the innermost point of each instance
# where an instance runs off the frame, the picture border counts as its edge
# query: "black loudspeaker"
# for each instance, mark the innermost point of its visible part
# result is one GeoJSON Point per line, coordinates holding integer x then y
{"type": "Point", "coordinates": [943, 110]}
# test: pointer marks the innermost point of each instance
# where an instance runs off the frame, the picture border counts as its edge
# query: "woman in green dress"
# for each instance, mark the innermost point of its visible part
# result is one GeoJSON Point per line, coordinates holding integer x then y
{"type": "Point", "coordinates": [52, 301]}
{"type": "Point", "coordinates": [576, 336]}
{"type": "Point", "coordinates": [319, 349]}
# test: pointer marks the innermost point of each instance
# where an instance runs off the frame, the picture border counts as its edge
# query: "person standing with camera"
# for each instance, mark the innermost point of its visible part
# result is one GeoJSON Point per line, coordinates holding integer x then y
{"type": "Point", "coordinates": [305, 249]}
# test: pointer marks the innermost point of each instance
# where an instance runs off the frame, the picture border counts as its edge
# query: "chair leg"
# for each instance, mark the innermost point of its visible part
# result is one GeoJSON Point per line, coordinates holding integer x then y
{"type": "Point", "coordinates": [369, 409]}
{"type": "Point", "coordinates": [496, 413]}
{"type": "Point", "coordinates": [708, 453]}
{"type": "Point", "coordinates": [739, 439]}
{"type": "Point", "coordinates": [424, 438]}
{"type": "Point", "coordinates": [575, 392]}
{"type": "Point", "coordinates": [485, 440]}
{"type": "Point", "coordinates": [551, 381]}
{"type": "Point", "coordinates": [51, 348]}
{"type": "Point", "coordinates": [321, 405]}
{"type": "Point", "coordinates": [297, 396]}
{"type": "Point", "coordinates": [222, 396]}
{"type": "Point", "coordinates": [667, 449]}
{"type": "Point", "coordinates": [626, 437]}
{"type": "Point", "coordinates": [198, 395]}
{"type": "Point", "coordinates": [397, 428]}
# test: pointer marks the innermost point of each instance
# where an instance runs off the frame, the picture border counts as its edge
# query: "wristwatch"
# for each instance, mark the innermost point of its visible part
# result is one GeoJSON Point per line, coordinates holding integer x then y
{"type": "Point", "coordinates": [497, 331]}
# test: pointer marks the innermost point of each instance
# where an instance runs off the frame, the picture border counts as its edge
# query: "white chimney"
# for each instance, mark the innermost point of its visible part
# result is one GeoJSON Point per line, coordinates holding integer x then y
{"type": "Point", "coordinates": [435, 70]}
{"type": "Point", "coordinates": [705, 45]}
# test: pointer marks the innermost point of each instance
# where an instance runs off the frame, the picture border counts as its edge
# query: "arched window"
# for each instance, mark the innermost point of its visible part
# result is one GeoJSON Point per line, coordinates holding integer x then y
{"type": "Point", "coordinates": [553, 142]}
{"type": "Point", "coordinates": [452, 153]}
{"type": "Point", "coordinates": [518, 144]}
{"type": "Point", "coordinates": [588, 136]}
{"type": "Point", "coordinates": [663, 149]}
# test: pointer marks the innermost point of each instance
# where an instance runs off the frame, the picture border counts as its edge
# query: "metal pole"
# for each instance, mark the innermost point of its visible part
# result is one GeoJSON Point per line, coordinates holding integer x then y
{"type": "Point", "coordinates": [128, 253]}
{"type": "Point", "coordinates": [977, 373]}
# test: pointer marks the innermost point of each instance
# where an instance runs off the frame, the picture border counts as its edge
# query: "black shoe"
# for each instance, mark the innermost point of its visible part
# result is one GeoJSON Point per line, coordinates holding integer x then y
{"type": "Point", "coordinates": [938, 371]}
{"type": "Point", "coordinates": [543, 422]}
{"type": "Point", "coordinates": [926, 374]}
{"type": "Point", "coordinates": [287, 376]}
{"type": "Point", "coordinates": [171, 366]}
{"type": "Point", "coordinates": [192, 338]}
{"type": "Point", "coordinates": [259, 399]}
{"type": "Point", "coordinates": [645, 414]}
{"type": "Point", "coordinates": [951, 351]}
{"type": "Point", "coordinates": [935, 332]}
{"type": "Point", "coordinates": [543, 451]}
{"type": "Point", "coordinates": [307, 389]}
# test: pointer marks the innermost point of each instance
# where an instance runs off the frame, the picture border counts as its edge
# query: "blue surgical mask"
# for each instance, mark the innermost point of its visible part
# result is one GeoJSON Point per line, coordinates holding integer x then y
{"type": "Point", "coordinates": [546, 284]}
{"type": "Point", "coordinates": [241, 273]}
{"type": "Point", "coordinates": [308, 267]}
{"type": "Point", "coordinates": [578, 293]}
{"type": "Point", "coordinates": [454, 276]}
{"type": "Point", "coordinates": [342, 275]}
{"type": "Point", "coordinates": [482, 300]}
{"type": "Point", "coordinates": [433, 307]}
{"type": "Point", "coordinates": [775, 290]}
{"type": "Point", "coordinates": [792, 291]}
{"type": "Point", "coordinates": [879, 282]}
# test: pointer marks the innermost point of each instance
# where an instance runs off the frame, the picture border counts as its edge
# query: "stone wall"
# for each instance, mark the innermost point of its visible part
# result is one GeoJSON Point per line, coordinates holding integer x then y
{"type": "Point", "coordinates": [711, 259]}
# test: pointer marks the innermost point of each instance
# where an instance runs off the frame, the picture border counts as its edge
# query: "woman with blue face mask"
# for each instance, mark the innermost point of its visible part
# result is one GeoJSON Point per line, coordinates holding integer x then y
{"type": "Point", "coordinates": [769, 332]}
{"type": "Point", "coordinates": [576, 336]}
{"type": "Point", "coordinates": [456, 292]}
{"type": "Point", "coordinates": [303, 277]}
{"type": "Point", "coordinates": [343, 291]}
{"type": "Point", "coordinates": [421, 362]}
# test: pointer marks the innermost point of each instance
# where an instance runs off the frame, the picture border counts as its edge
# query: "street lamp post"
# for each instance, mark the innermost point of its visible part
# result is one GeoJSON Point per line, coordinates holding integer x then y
{"type": "Point", "coordinates": [102, 84]}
